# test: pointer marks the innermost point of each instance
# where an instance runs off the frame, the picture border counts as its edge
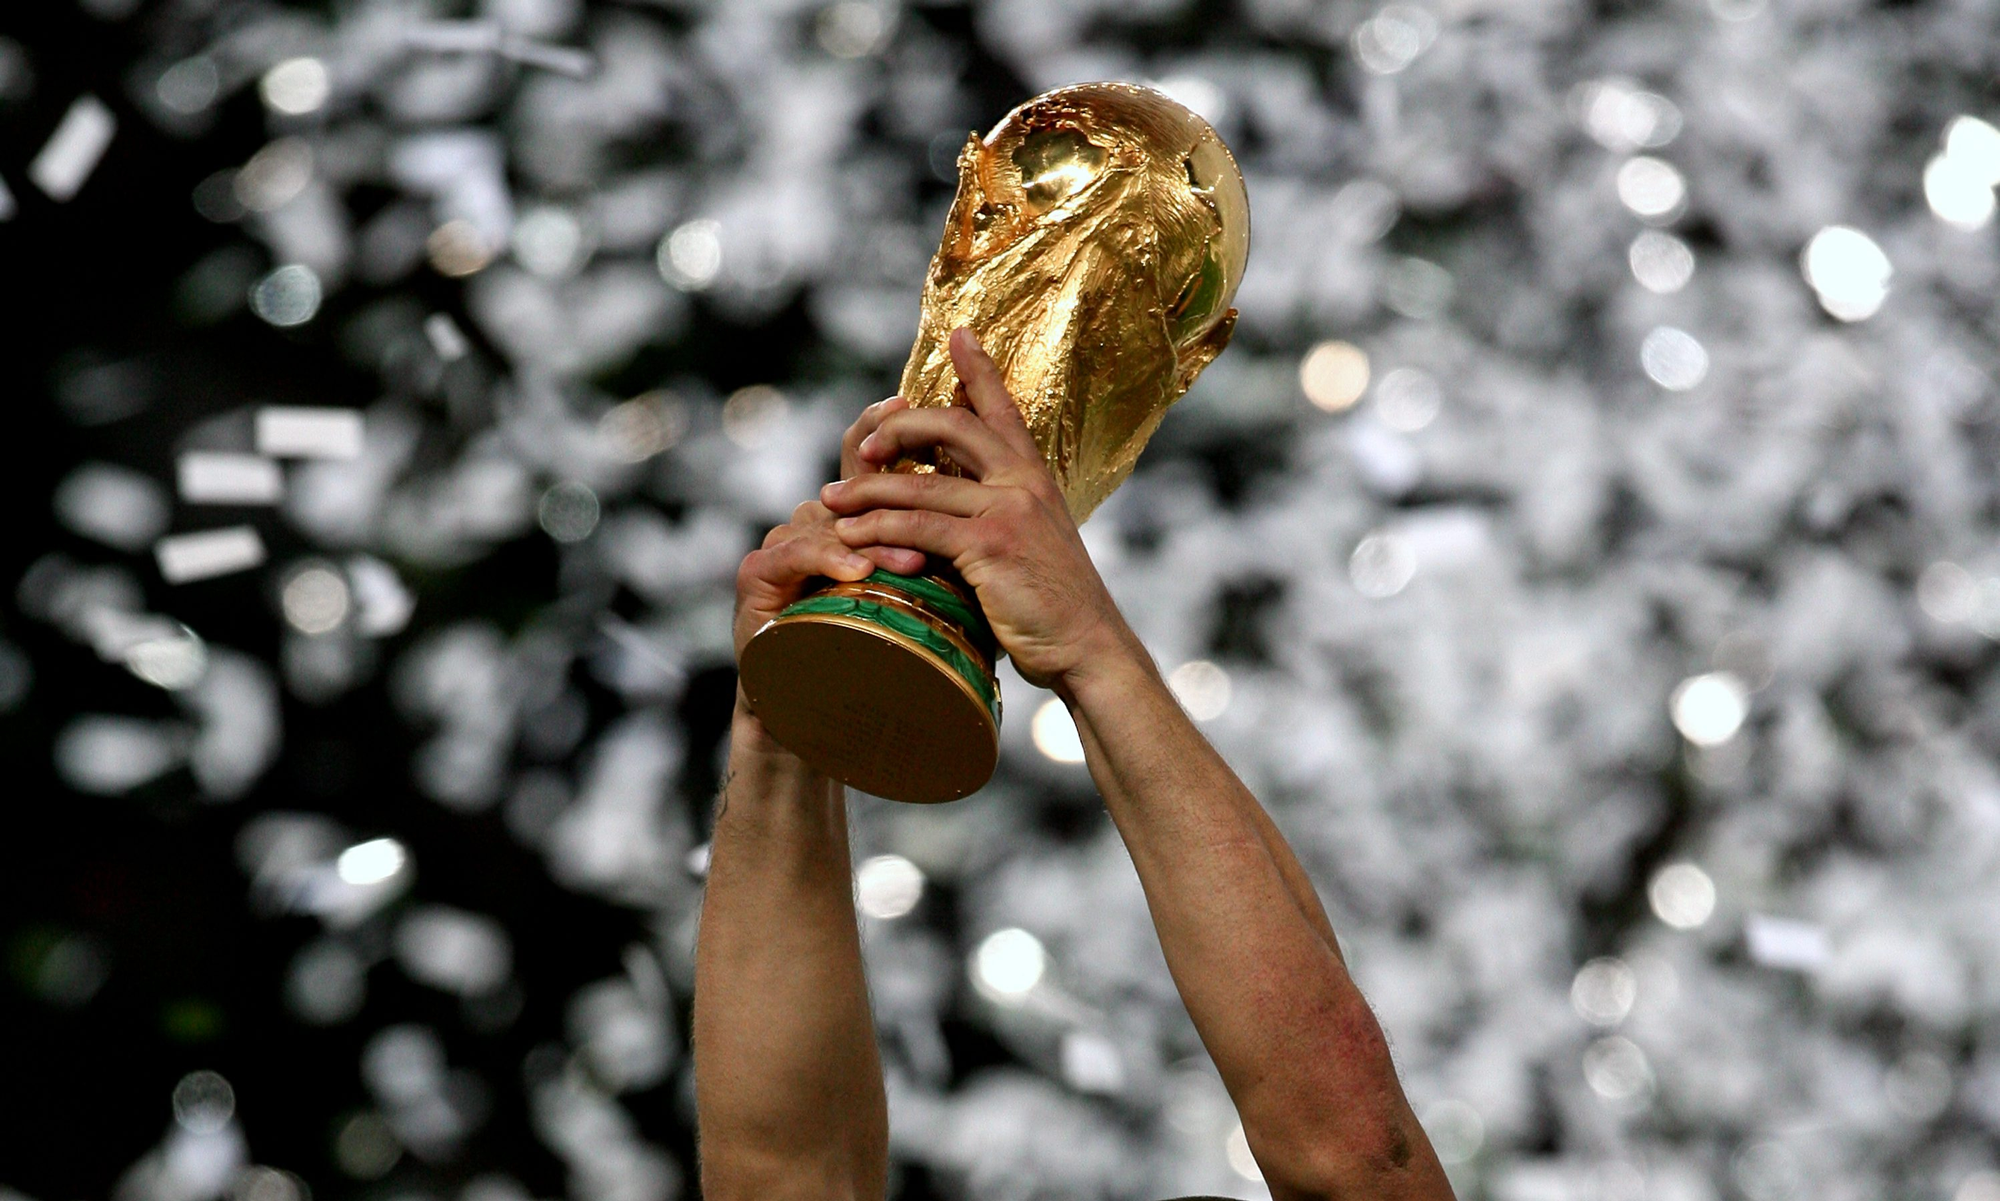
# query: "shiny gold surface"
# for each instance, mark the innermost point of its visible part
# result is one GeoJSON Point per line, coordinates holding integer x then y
{"type": "Point", "coordinates": [871, 708]}
{"type": "Point", "coordinates": [1097, 239]}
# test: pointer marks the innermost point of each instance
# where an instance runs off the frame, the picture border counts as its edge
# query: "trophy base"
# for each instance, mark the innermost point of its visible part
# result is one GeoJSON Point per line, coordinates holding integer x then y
{"type": "Point", "coordinates": [884, 685]}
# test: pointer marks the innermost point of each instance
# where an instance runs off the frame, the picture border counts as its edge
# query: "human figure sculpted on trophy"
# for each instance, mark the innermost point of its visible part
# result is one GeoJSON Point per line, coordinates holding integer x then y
{"type": "Point", "coordinates": [1096, 241]}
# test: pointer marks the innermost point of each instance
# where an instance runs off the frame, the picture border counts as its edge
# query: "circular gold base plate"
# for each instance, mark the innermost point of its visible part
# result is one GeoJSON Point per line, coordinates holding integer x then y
{"type": "Point", "coordinates": [870, 708]}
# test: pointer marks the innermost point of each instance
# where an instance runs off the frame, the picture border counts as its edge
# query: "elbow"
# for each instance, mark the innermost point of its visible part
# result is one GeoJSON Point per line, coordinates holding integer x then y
{"type": "Point", "coordinates": [1345, 1132]}
{"type": "Point", "coordinates": [1371, 1160]}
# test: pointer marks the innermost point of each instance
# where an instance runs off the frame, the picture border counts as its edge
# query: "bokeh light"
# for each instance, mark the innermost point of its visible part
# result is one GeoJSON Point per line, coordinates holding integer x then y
{"type": "Point", "coordinates": [274, 176]}
{"type": "Point", "coordinates": [1709, 709]}
{"type": "Point", "coordinates": [569, 511]}
{"type": "Point", "coordinates": [1603, 991]}
{"type": "Point", "coordinates": [1673, 359]}
{"type": "Point", "coordinates": [288, 296]}
{"type": "Point", "coordinates": [1948, 593]}
{"type": "Point", "coordinates": [1660, 262]}
{"type": "Point", "coordinates": [1392, 39]}
{"type": "Point", "coordinates": [751, 415]}
{"type": "Point", "coordinates": [458, 248]}
{"type": "Point", "coordinates": [1848, 271]}
{"type": "Point", "coordinates": [1054, 732]}
{"type": "Point", "coordinates": [1623, 117]}
{"type": "Point", "coordinates": [1407, 399]}
{"type": "Point", "coordinates": [1202, 688]}
{"type": "Point", "coordinates": [204, 1102]}
{"type": "Point", "coordinates": [1958, 192]}
{"type": "Point", "coordinates": [1382, 564]}
{"type": "Point", "coordinates": [1456, 1130]}
{"type": "Point", "coordinates": [1974, 144]}
{"type": "Point", "coordinates": [1652, 188]}
{"type": "Point", "coordinates": [691, 256]}
{"type": "Point", "coordinates": [372, 862]}
{"type": "Point", "coordinates": [1334, 375]}
{"type": "Point", "coordinates": [1682, 895]}
{"type": "Point", "coordinates": [1008, 964]}
{"type": "Point", "coordinates": [295, 87]}
{"type": "Point", "coordinates": [189, 86]}
{"type": "Point", "coordinates": [1236, 1148]}
{"type": "Point", "coordinates": [888, 886]}
{"type": "Point", "coordinates": [1619, 1072]}
{"type": "Point", "coordinates": [853, 28]}
{"type": "Point", "coordinates": [315, 599]}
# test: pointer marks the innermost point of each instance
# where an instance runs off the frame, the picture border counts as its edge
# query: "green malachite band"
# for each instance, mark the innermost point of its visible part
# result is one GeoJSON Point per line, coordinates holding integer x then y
{"type": "Point", "coordinates": [910, 627]}
{"type": "Point", "coordinates": [944, 600]}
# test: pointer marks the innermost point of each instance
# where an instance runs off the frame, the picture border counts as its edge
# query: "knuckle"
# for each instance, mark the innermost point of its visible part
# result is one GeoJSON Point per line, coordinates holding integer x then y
{"type": "Point", "coordinates": [996, 537]}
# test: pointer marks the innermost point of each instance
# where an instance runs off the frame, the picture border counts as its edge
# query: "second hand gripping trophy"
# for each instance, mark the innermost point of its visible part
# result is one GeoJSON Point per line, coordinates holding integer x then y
{"type": "Point", "coordinates": [1095, 244]}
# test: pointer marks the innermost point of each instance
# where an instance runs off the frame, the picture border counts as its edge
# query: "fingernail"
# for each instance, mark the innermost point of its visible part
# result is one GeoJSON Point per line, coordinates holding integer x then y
{"type": "Point", "coordinates": [844, 524]}
{"type": "Point", "coordinates": [869, 443]}
{"type": "Point", "coordinates": [858, 563]}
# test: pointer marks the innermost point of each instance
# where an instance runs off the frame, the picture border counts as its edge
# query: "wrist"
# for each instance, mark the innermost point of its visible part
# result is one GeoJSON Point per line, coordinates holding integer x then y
{"type": "Point", "coordinates": [754, 754]}
{"type": "Point", "coordinates": [1112, 662]}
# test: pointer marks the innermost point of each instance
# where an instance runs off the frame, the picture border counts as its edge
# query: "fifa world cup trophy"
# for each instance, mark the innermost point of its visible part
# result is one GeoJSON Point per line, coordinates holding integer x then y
{"type": "Point", "coordinates": [1095, 244]}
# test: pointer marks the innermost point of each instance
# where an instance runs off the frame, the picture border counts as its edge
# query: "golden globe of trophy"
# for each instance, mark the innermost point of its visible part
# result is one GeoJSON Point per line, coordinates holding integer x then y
{"type": "Point", "coordinates": [1095, 244]}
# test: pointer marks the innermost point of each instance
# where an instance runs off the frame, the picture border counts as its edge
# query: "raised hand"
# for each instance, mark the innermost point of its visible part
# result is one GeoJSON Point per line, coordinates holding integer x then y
{"type": "Point", "coordinates": [805, 548]}
{"type": "Point", "coordinates": [1003, 524]}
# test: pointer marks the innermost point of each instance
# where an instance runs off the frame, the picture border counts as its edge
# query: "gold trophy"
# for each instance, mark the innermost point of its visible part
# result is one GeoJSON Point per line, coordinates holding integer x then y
{"type": "Point", "coordinates": [1094, 246]}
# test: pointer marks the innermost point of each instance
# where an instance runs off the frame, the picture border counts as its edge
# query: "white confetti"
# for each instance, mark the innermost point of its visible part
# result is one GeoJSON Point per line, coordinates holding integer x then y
{"type": "Point", "coordinates": [1786, 943]}
{"type": "Point", "coordinates": [209, 477]}
{"type": "Point", "coordinates": [72, 152]}
{"type": "Point", "coordinates": [445, 337]}
{"type": "Point", "coordinates": [308, 433]}
{"type": "Point", "coordinates": [184, 558]}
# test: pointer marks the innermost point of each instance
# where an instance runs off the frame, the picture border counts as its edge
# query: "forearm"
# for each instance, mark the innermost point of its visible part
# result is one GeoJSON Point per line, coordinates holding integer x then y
{"type": "Point", "coordinates": [788, 1083]}
{"type": "Point", "coordinates": [1250, 947]}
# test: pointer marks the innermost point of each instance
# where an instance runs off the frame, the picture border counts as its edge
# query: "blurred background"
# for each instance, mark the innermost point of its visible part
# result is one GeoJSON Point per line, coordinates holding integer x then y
{"type": "Point", "coordinates": [1586, 551]}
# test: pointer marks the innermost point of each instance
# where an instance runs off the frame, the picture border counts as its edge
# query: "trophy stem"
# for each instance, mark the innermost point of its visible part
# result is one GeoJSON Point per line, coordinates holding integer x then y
{"type": "Point", "coordinates": [885, 684]}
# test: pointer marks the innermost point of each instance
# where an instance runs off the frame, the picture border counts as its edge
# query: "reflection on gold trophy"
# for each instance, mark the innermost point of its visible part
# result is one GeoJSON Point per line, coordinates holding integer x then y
{"type": "Point", "coordinates": [1095, 244]}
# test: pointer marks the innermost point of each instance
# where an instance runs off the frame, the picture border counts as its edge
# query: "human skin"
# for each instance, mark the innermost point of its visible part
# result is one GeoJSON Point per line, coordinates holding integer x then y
{"type": "Point", "coordinates": [788, 1082]}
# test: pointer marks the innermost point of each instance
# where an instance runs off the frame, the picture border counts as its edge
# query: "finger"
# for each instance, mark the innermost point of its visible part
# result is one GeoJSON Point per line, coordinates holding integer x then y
{"type": "Point", "coordinates": [973, 445]}
{"type": "Point", "coordinates": [919, 529]}
{"type": "Point", "coordinates": [899, 559]}
{"type": "Point", "coordinates": [986, 389]}
{"type": "Point", "coordinates": [786, 567]}
{"type": "Point", "coordinates": [864, 425]}
{"type": "Point", "coordinates": [896, 490]}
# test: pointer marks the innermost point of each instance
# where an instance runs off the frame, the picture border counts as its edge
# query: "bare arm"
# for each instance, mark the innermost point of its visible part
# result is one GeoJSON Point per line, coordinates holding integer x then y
{"type": "Point", "coordinates": [1250, 948]}
{"type": "Point", "coordinates": [788, 1087]}
{"type": "Point", "coordinates": [1249, 944]}
{"type": "Point", "coordinates": [788, 1084]}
